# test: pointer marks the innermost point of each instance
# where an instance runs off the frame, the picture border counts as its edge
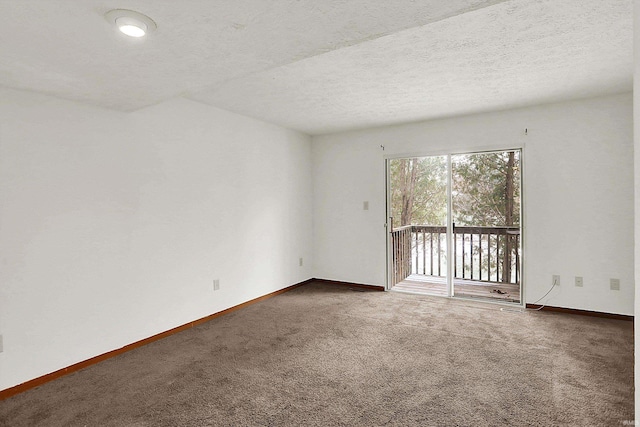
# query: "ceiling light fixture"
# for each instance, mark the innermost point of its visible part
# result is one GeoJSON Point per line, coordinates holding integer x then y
{"type": "Point", "coordinates": [131, 23]}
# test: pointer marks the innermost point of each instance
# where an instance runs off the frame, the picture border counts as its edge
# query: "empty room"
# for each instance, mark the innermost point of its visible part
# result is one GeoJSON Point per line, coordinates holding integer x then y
{"type": "Point", "coordinates": [298, 212]}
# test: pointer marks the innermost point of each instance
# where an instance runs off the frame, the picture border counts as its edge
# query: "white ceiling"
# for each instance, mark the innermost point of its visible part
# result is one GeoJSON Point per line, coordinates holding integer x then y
{"type": "Point", "coordinates": [323, 66]}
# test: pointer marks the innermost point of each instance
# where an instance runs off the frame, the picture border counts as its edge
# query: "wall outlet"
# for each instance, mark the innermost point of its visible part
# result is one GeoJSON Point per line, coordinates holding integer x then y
{"type": "Point", "coordinates": [1, 346]}
{"type": "Point", "coordinates": [614, 284]}
{"type": "Point", "coordinates": [301, 261]}
{"type": "Point", "coordinates": [216, 284]}
{"type": "Point", "coordinates": [579, 281]}
{"type": "Point", "coordinates": [365, 206]}
{"type": "Point", "coordinates": [555, 281]}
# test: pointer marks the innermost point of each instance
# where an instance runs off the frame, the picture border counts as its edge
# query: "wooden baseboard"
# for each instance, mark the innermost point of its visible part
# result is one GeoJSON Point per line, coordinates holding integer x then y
{"type": "Point", "coordinates": [351, 285]}
{"type": "Point", "coordinates": [4, 394]}
{"type": "Point", "coordinates": [581, 312]}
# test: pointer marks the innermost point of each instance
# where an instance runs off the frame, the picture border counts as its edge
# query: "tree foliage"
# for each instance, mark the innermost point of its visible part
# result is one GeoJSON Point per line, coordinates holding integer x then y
{"type": "Point", "coordinates": [486, 189]}
{"type": "Point", "coordinates": [419, 191]}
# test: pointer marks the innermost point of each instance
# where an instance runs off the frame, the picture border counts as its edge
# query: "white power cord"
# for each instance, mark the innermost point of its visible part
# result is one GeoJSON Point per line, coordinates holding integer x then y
{"type": "Point", "coordinates": [553, 285]}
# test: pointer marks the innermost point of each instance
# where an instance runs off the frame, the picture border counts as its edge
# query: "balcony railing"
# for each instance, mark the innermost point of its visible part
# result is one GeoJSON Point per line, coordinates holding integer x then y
{"type": "Point", "coordinates": [486, 254]}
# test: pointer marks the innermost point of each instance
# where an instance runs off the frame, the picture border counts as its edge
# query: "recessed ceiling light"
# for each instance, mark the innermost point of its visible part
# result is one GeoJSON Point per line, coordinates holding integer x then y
{"type": "Point", "coordinates": [131, 23]}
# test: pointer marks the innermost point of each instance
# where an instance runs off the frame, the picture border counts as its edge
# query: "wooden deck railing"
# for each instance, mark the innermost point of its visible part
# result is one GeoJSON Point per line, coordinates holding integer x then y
{"type": "Point", "coordinates": [402, 239]}
{"type": "Point", "coordinates": [488, 254]}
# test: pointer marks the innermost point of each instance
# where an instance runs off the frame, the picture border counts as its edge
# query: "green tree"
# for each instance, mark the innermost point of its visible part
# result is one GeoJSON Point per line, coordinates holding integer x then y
{"type": "Point", "coordinates": [419, 191]}
{"type": "Point", "coordinates": [486, 189]}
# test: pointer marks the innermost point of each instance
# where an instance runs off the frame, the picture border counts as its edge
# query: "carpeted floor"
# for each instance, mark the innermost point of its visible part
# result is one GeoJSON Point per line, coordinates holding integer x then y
{"type": "Point", "coordinates": [325, 355]}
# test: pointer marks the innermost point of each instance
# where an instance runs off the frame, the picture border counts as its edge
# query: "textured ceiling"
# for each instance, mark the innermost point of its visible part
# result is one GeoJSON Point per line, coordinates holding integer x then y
{"type": "Point", "coordinates": [322, 66]}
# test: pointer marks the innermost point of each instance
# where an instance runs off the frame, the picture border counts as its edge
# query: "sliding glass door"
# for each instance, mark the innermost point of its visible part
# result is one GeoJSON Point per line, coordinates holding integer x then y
{"type": "Point", "coordinates": [455, 225]}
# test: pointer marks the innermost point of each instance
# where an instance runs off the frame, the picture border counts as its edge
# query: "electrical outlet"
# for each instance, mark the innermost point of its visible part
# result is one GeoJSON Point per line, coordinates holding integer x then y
{"type": "Point", "coordinates": [579, 281]}
{"type": "Point", "coordinates": [365, 206]}
{"type": "Point", "coordinates": [614, 284]}
{"type": "Point", "coordinates": [556, 280]}
{"type": "Point", "coordinates": [301, 262]}
{"type": "Point", "coordinates": [216, 284]}
{"type": "Point", "coordinates": [1, 346]}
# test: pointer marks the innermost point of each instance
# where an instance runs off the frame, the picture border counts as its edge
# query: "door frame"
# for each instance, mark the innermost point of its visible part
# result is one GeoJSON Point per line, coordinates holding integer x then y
{"type": "Point", "coordinates": [449, 153]}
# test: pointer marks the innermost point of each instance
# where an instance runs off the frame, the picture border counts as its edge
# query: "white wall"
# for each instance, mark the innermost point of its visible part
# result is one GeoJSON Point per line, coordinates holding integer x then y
{"type": "Point", "coordinates": [578, 195]}
{"type": "Point", "coordinates": [113, 225]}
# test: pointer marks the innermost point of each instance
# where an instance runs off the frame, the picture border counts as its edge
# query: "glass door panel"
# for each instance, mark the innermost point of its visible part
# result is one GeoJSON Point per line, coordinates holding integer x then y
{"type": "Point", "coordinates": [418, 224]}
{"type": "Point", "coordinates": [486, 212]}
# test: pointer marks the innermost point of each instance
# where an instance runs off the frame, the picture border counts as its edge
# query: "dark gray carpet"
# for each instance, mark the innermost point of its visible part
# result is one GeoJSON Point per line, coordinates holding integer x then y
{"type": "Point", "coordinates": [324, 355]}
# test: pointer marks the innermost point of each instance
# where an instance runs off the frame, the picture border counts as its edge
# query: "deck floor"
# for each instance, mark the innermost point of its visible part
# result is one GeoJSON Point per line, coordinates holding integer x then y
{"type": "Point", "coordinates": [434, 285]}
